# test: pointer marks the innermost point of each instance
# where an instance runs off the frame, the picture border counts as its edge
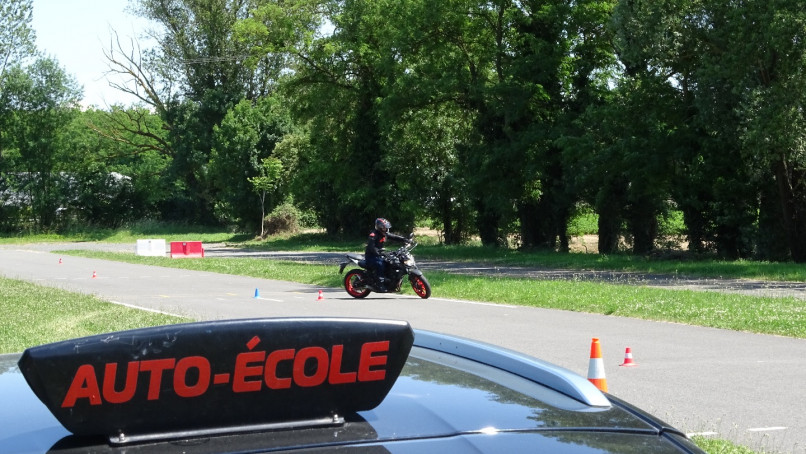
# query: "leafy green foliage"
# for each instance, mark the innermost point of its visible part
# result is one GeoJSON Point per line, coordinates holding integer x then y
{"type": "Point", "coordinates": [285, 219]}
{"type": "Point", "coordinates": [266, 182]}
{"type": "Point", "coordinates": [17, 37]}
{"type": "Point", "coordinates": [243, 144]}
{"type": "Point", "coordinates": [35, 104]}
{"type": "Point", "coordinates": [493, 120]}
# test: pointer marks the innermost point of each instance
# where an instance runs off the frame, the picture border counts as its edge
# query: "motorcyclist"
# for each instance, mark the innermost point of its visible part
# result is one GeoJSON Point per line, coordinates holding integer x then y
{"type": "Point", "coordinates": [373, 253]}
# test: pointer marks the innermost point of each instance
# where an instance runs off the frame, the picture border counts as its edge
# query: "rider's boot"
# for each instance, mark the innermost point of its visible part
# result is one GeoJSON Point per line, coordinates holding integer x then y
{"type": "Point", "coordinates": [382, 284]}
{"type": "Point", "coordinates": [379, 282]}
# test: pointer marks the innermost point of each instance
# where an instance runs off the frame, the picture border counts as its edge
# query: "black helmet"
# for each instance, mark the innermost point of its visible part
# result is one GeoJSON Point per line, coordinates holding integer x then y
{"type": "Point", "coordinates": [382, 224]}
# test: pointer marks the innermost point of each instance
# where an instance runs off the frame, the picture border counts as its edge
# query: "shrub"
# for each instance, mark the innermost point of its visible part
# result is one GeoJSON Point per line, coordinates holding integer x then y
{"type": "Point", "coordinates": [284, 219]}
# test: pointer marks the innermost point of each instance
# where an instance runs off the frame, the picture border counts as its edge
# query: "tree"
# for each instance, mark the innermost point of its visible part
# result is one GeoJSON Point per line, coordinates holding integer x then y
{"type": "Point", "coordinates": [336, 87]}
{"type": "Point", "coordinates": [266, 182]}
{"type": "Point", "coordinates": [17, 38]}
{"type": "Point", "coordinates": [35, 104]}
{"type": "Point", "coordinates": [192, 78]}
{"type": "Point", "coordinates": [17, 43]}
{"type": "Point", "coordinates": [478, 34]}
{"type": "Point", "coordinates": [121, 176]}
{"type": "Point", "coordinates": [738, 69]}
{"type": "Point", "coordinates": [247, 136]}
{"type": "Point", "coordinates": [764, 64]}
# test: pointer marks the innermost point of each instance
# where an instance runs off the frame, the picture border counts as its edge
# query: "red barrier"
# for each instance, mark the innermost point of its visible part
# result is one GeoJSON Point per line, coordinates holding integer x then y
{"type": "Point", "coordinates": [181, 249]}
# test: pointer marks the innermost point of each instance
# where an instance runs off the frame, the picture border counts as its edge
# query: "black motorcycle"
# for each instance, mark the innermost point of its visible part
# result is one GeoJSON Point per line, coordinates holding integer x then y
{"type": "Point", "coordinates": [360, 282]}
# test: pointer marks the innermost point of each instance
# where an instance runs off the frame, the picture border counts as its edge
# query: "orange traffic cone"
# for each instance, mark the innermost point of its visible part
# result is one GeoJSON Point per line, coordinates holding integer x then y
{"type": "Point", "coordinates": [628, 361]}
{"type": "Point", "coordinates": [596, 373]}
{"type": "Point", "coordinates": [60, 260]}
{"type": "Point", "coordinates": [321, 296]}
{"type": "Point", "coordinates": [94, 275]}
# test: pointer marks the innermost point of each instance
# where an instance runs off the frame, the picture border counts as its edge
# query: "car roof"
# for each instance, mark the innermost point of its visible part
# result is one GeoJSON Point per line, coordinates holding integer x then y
{"type": "Point", "coordinates": [451, 395]}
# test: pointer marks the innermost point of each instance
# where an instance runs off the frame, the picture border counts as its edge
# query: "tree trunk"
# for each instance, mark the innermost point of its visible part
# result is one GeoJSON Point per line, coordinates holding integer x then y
{"type": "Point", "coordinates": [609, 229]}
{"type": "Point", "coordinates": [643, 227]}
{"type": "Point", "coordinates": [610, 207]}
{"type": "Point", "coordinates": [487, 222]}
{"type": "Point", "coordinates": [538, 224]}
{"type": "Point", "coordinates": [793, 201]}
{"type": "Point", "coordinates": [695, 228]}
{"type": "Point", "coordinates": [771, 241]}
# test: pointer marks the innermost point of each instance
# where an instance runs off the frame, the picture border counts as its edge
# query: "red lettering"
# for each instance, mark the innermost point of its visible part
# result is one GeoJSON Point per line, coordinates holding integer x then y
{"type": "Point", "coordinates": [270, 372]}
{"type": "Point", "coordinates": [337, 377]}
{"type": "Point", "coordinates": [84, 386]}
{"type": "Point", "coordinates": [129, 386]}
{"type": "Point", "coordinates": [369, 359]}
{"type": "Point", "coordinates": [240, 384]}
{"type": "Point", "coordinates": [180, 376]}
{"type": "Point", "coordinates": [192, 376]}
{"type": "Point", "coordinates": [253, 343]}
{"type": "Point", "coordinates": [318, 354]}
{"type": "Point", "coordinates": [156, 367]}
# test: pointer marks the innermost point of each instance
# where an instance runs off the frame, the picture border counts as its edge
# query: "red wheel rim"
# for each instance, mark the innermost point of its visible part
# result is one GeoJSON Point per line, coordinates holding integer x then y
{"type": "Point", "coordinates": [419, 288]}
{"type": "Point", "coordinates": [350, 288]}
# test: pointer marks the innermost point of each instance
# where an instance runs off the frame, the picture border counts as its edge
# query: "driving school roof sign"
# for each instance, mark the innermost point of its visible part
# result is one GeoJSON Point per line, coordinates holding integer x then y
{"type": "Point", "coordinates": [209, 375]}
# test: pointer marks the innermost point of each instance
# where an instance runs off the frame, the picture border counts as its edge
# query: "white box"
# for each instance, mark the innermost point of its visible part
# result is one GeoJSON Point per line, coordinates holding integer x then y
{"type": "Point", "coordinates": [153, 248]}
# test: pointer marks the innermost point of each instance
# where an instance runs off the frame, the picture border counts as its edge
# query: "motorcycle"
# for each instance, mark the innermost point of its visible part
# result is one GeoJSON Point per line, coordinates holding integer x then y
{"type": "Point", "coordinates": [360, 282]}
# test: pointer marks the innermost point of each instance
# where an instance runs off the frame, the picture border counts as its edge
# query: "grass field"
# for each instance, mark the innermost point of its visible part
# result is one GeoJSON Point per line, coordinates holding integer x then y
{"type": "Point", "coordinates": [34, 315]}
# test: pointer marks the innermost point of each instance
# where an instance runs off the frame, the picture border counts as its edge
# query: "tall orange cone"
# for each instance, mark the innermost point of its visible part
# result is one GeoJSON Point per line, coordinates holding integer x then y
{"type": "Point", "coordinates": [596, 373]}
{"type": "Point", "coordinates": [321, 296]}
{"type": "Point", "coordinates": [94, 275]}
{"type": "Point", "coordinates": [628, 361]}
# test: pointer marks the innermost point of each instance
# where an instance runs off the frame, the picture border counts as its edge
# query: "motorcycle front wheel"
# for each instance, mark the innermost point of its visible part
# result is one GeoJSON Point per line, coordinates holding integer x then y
{"type": "Point", "coordinates": [420, 286]}
{"type": "Point", "coordinates": [355, 283]}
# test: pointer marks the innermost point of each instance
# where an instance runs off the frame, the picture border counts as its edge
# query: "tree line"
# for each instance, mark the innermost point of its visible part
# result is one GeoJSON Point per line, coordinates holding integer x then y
{"type": "Point", "coordinates": [497, 119]}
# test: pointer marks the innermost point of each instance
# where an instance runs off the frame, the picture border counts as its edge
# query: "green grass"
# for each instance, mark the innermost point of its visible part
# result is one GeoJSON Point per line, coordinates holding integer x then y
{"type": "Point", "coordinates": [780, 316]}
{"type": "Point", "coordinates": [430, 249]}
{"type": "Point", "coordinates": [706, 267]}
{"type": "Point", "coordinates": [34, 315]}
{"type": "Point", "coordinates": [717, 446]}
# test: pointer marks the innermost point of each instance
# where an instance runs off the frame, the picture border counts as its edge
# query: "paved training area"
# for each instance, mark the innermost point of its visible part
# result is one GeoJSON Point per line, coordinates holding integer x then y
{"type": "Point", "coordinates": [740, 386]}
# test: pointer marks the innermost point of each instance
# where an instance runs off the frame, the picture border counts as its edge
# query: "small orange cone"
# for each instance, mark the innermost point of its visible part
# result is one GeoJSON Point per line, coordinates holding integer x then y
{"type": "Point", "coordinates": [628, 361]}
{"type": "Point", "coordinates": [94, 275]}
{"type": "Point", "coordinates": [321, 296]}
{"type": "Point", "coordinates": [60, 260]}
{"type": "Point", "coordinates": [596, 373]}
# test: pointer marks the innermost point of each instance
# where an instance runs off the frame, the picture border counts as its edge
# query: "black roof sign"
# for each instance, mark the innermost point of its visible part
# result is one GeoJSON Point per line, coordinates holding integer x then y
{"type": "Point", "coordinates": [217, 375]}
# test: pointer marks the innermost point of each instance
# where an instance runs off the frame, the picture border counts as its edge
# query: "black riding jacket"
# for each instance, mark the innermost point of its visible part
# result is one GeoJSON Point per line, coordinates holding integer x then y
{"type": "Point", "coordinates": [377, 240]}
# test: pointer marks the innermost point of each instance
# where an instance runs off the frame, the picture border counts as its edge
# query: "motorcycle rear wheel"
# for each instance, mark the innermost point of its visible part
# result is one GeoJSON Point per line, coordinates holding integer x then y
{"type": "Point", "coordinates": [420, 286]}
{"type": "Point", "coordinates": [355, 283]}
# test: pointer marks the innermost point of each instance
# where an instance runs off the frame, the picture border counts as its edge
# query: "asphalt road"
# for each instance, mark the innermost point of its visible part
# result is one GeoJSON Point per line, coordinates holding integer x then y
{"type": "Point", "coordinates": [739, 386]}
